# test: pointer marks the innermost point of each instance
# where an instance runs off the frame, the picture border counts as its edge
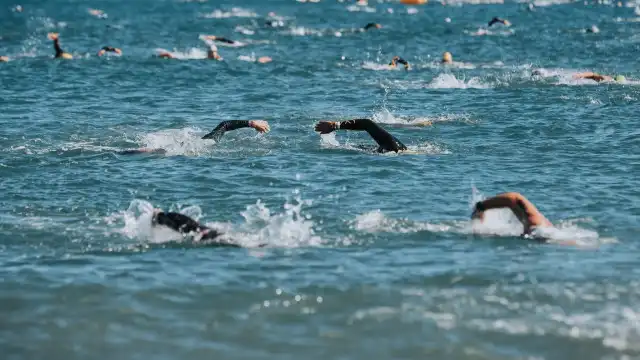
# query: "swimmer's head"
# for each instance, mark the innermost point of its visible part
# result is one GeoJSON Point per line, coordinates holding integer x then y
{"type": "Point", "coordinates": [4, 59]}
{"type": "Point", "coordinates": [66, 56]}
{"type": "Point", "coordinates": [619, 78]}
{"type": "Point", "coordinates": [447, 58]}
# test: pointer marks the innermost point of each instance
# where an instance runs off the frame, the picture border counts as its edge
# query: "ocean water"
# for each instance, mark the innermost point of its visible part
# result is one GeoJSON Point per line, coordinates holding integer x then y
{"type": "Point", "coordinates": [368, 256]}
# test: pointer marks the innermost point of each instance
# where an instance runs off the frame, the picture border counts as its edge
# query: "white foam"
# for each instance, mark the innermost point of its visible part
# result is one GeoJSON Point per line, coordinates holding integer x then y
{"type": "Point", "coordinates": [356, 8]}
{"type": "Point", "coordinates": [235, 12]}
{"type": "Point", "coordinates": [380, 67]}
{"type": "Point", "coordinates": [191, 54]}
{"type": "Point", "coordinates": [449, 81]}
{"type": "Point", "coordinates": [186, 141]}
{"type": "Point", "coordinates": [384, 116]}
{"type": "Point", "coordinates": [244, 30]}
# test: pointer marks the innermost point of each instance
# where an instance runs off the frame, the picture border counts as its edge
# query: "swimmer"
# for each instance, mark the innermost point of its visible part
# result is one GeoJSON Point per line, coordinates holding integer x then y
{"type": "Point", "coordinates": [218, 38]}
{"type": "Point", "coordinates": [592, 30]}
{"type": "Point", "coordinates": [386, 142]}
{"type": "Point", "coordinates": [187, 226]}
{"type": "Point", "coordinates": [4, 59]}
{"type": "Point", "coordinates": [397, 59]}
{"type": "Point", "coordinates": [165, 55]}
{"type": "Point", "coordinates": [498, 20]}
{"type": "Point", "coordinates": [372, 26]}
{"type": "Point", "coordinates": [216, 134]}
{"type": "Point", "coordinates": [523, 209]}
{"type": "Point", "coordinates": [264, 59]}
{"type": "Point", "coordinates": [106, 49]}
{"type": "Point", "coordinates": [212, 52]}
{"type": "Point", "coordinates": [274, 23]}
{"type": "Point", "coordinates": [447, 58]}
{"type": "Point", "coordinates": [60, 54]}
{"type": "Point", "coordinates": [598, 78]}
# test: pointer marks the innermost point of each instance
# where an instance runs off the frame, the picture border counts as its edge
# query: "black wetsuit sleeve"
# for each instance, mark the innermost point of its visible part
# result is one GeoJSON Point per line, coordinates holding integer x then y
{"type": "Point", "coordinates": [225, 40]}
{"type": "Point", "coordinates": [185, 225]}
{"type": "Point", "coordinates": [109, 48]}
{"type": "Point", "coordinates": [386, 141]}
{"type": "Point", "coordinates": [225, 126]}
{"type": "Point", "coordinates": [56, 46]}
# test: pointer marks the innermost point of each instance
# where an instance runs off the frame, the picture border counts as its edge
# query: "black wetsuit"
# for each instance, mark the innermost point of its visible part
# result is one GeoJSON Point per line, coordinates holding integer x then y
{"type": "Point", "coordinates": [186, 225]}
{"type": "Point", "coordinates": [56, 46]}
{"type": "Point", "coordinates": [225, 126]}
{"type": "Point", "coordinates": [496, 20]}
{"type": "Point", "coordinates": [370, 25]}
{"type": "Point", "coordinates": [400, 61]}
{"type": "Point", "coordinates": [386, 142]}
{"type": "Point", "coordinates": [225, 40]}
{"type": "Point", "coordinates": [109, 48]}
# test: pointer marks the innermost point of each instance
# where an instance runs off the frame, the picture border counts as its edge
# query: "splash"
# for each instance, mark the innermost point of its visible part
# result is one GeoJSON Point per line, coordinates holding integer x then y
{"type": "Point", "coordinates": [191, 54]}
{"type": "Point", "coordinates": [186, 141]}
{"type": "Point", "coordinates": [262, 227]}
{"type": "Point", "coordinates": [449, 81]}
{"type": "Point", "coordinates": [359, 8]}
{"type": "Point", "coordinates": [243, 30]}
{"type": "Point", "coordinates": [384, 116]}
{"type": "Point", "coordinates": [235, 12]}
{"type": "Point", "coordinates": [330, 141]}
{"type": "Point", "coordinates": [379, 67]}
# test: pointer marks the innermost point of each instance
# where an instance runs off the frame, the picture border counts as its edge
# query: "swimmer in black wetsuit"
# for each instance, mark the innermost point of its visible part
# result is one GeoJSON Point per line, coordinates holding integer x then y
{"type": "Point", "coordinates": [496, 20]}
{"type": "Point", "coordinates": [398, 60]}
{"type": "Point", "coordinates": [216, 134]}
{"type": "Point", "coordinates": [218, 38]}
{"type": "Point", "coordinates": [60, 54]}
{"type": "Point", "coordinates": [372, 26]}
{"type": "Point", "coordinates": [106, 49]}
{"type": "Point", "coordinates": [187, 226]}
{"type": "Point", "coordinates": [386, 142]}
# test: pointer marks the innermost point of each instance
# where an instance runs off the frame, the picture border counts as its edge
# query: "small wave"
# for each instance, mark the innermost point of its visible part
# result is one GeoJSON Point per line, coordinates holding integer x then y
{"type": "Point", "coordinates": [542, 3]}
{"type": "Point", "coordinates": [384, 116]}
{"type": "Point", "coordinates": [486, 32]}
{"type": "Point", "coordinates": [449, 81]}
{"type": "Point", "coordinates": [235, 12]}
{"type": "Point", "coordinates": [360, 8]}
{"type": "Point", "coordinates": [245, 31]}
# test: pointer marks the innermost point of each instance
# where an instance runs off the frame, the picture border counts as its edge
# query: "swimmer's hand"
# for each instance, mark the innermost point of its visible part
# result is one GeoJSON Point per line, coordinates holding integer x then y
{"type": "Point", "coordinates": [52, 36]}
{"type": "Point", "coordinates": [261, 126]}
{"type": "Point", "coordinates": [325, 127]}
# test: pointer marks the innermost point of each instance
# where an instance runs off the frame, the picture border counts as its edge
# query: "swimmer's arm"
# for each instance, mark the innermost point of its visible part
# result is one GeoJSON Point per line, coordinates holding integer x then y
{"type": "Point", "coordinates": [229, 125]}
{"type": "Point", "coordinates": [496, 202]}
{"type": "Point", "coordinates": [386, 141]}
{"type": "Point", "coordinates": [177, 222]}
{"type": "Point", "coordinates": [56, 46]}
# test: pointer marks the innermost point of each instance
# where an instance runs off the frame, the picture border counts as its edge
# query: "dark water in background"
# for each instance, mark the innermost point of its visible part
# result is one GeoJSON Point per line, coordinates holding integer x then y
{"type": "Point", "coordinates": [370, 256]}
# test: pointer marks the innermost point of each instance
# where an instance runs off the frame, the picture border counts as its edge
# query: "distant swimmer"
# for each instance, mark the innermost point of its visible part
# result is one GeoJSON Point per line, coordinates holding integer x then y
{"type": "Point", "coordinates": [372, 26]}
{"type": "Point", "coordinates": [386, 142]}
{"type": "Point", "coordinates": [496, 20]}
{"type": "Point", "coordinates": [60, 54]}
{"type": "Point", "coordinates": [523, 209]}
{"type": "Point", "coordinates": [4, 59]}
{"type": "Point", "coordinates": [274, 23]}
{"type": "Point", "coordinates": [216, 134]}
{"type": "Point", "coordinates": [110, 49]}
{"type": "Point", "coordinates": [598, 78]}
{"type": "Point", "coordinates": [188, 226]}
{"type": "Point", "coordinates": [447, 58]}
{"type": "Point", "coordinates": [397, 59]}
{"type": "Point", "coordinates": [592, 30]}
{"type": "Point", "coordinates": [212, 52]}
{"type": "Point", "coordinates": [218, 38]}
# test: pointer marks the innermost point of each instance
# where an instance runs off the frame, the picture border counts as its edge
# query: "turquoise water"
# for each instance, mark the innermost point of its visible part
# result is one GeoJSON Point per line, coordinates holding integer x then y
{"type": "Point", "coordinates": [369, 256]}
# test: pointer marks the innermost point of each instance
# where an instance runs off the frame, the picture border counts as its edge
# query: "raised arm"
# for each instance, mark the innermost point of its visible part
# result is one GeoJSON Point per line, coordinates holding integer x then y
{"type": "Point", "coordinates": [229, 125]}
{"type": "Point", "coordinates": [521, 207]}
{"type": "Point", "coordinates": [386, 141]}
{"type": "Point", "coordinates": [186, 225]}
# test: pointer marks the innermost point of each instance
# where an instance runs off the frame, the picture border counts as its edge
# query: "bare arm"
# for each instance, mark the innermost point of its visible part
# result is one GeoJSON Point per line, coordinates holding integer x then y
{"type": "Point", "coordinates": [521, 207]}
{"type": "Point", "coordinates": [386, 141]}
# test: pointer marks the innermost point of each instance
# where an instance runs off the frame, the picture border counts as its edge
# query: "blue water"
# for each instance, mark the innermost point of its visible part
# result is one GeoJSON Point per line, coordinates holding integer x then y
{"type": "Point", "coordinates": [369, 256]}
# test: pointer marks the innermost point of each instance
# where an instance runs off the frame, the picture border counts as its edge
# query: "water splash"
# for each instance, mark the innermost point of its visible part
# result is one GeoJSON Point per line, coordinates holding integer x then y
{"type": "Point", "coordinates": [235, 12]}
{"type": "Point", "coordinates": [449, 81]}
{"type": "Point", "coordinates": [191, 54]}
